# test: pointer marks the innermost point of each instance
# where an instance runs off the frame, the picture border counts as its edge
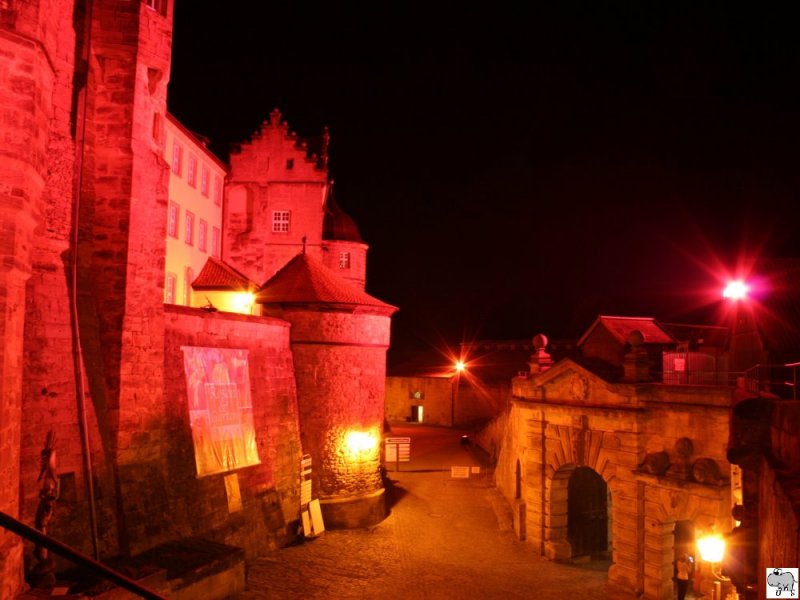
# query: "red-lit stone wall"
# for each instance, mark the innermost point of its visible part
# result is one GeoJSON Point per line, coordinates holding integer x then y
{"type": "Point", "coordinates": [779, 493]}
{"type": "Point", "coordinates": [260, 182]}
{"type": "Point", "coordinates": [122, 224]}
{"type": "Point", "coordinates": [35, 63]}
{"type": "Point", "coordinates": [270, 491]}
{"type": "Point", "coordinates": [340, 364]}
{"type": "Point", "coordinates": [49, 377]}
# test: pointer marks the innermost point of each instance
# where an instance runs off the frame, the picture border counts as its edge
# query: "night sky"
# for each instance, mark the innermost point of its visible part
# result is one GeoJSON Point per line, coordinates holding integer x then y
{"type": "Point", "coordinates": [521, 172]}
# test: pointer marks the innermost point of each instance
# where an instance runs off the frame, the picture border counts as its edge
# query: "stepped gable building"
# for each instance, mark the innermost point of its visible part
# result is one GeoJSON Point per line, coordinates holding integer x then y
{"type": "Point", "coordinates": [279, 203]}
{"type": "Point", "coordinates": [172, 423]}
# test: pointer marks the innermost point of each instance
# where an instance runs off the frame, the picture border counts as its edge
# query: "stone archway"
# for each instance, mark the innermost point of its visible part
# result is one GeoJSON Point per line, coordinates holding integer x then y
{"type": "Point", "coordinates": [590, 509]}
{"type": "Point", "coordinates": [587, 513]}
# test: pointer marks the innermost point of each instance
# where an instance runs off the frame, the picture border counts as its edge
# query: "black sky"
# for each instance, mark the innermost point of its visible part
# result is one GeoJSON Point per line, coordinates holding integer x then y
{"type": "Point", "coordinates": [517, 171]}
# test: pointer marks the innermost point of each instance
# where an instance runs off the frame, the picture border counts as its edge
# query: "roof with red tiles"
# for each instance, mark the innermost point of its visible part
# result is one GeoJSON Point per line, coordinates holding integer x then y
{"type": "Point", "coordinates": [216, 275]}
{"type": "Point", "coordinates": [621, 328]}
{"type": "Point", "coordinates": [305, 280]}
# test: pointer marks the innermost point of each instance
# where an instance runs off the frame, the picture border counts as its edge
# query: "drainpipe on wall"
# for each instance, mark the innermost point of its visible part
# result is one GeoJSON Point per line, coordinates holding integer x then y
{"type": "Point", "coordinates": [80, 373]}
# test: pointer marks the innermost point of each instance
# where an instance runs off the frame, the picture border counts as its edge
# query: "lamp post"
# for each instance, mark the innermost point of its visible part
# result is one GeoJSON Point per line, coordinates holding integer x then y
{"type": "Point", "coordinates": [458, 366]}
{"type": "Point", "coordinates": [712, 550]}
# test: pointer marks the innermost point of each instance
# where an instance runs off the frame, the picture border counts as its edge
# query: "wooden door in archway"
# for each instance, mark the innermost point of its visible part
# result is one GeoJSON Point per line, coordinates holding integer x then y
{"type": "Point", "coordinates": [587, 517]}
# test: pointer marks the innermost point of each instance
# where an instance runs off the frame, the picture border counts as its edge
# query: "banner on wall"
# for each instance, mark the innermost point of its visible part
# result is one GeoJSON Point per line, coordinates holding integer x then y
{"type": "Point", "coordinates": [220, 409]}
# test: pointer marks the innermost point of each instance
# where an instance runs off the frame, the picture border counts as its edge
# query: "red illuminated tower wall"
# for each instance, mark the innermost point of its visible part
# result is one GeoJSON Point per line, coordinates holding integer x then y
{"type": "Point", "coordinates": [339, 337]}
{"type": "Point", "coordinates": [35, 74]}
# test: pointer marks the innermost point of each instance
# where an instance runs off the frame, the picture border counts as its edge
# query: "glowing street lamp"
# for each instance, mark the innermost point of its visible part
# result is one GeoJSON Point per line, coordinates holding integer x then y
{"type": "Point", "coordinates": [459, 367]}
{"type": "Point", "coordinates": [711, 547]}
{"type": "Point", "coordinates": [712, 550]}
{"type": "Point", "coordinates": [736, 290]}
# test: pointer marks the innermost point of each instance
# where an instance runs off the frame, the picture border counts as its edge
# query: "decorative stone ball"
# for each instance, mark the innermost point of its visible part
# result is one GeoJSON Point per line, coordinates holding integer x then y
{"type": "Point", "coordinates": [540, 341]}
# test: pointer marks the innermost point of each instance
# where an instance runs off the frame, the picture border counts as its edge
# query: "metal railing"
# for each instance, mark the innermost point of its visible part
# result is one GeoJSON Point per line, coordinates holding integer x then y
{"type": "Point", "coordinates": [37, 537]}
{"type": "Point", "coordinates": [780, 380]}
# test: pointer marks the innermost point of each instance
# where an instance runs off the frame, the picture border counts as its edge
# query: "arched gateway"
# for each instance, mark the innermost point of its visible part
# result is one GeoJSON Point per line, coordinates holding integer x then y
{"type": "Point", "coordinates": [579, 436]}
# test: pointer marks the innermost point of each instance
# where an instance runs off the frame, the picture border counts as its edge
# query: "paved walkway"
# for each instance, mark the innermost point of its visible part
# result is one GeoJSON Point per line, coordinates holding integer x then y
{"type": "Point", "coordinates": [444, 539]}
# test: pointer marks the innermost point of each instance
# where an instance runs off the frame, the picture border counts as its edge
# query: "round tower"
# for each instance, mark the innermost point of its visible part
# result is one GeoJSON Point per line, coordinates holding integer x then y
{"type": "Point", "coordinates": [339, 338]}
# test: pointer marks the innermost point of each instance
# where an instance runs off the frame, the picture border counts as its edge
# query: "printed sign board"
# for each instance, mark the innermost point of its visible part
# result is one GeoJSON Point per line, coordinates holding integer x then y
{"type": "Point", "coordinates": [220, 409]}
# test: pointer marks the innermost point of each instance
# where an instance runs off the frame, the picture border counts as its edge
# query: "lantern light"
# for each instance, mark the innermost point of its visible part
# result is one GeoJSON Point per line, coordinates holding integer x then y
{"type": "Point", "coordinates": [358, 442]}
{"type": "Point", "coordinates": [460, 366]}
{"type": "Point", "coordinates": [243, 301]}
{"type": "Point", "coordinates": [711, 547]}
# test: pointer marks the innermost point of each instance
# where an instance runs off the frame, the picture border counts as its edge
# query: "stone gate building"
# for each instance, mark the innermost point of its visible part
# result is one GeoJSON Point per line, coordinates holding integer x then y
{"type": "Point", "coordinates": [599, 460]}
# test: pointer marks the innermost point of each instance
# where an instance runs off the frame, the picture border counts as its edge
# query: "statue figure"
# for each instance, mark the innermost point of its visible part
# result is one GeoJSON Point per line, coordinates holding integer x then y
{"type": "Point", "coordinates": [44, 572]}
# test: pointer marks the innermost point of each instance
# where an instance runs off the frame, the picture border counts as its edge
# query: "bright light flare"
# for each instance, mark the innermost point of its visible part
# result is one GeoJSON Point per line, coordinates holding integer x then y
{"type": "Point", "coordinates": [711, 547]}
{"type": "Point", "coordinates": [243, 302]}
{"type": "Point", "coordinates": [359, 442]}
{"type": "Point", "coordinates": [736, 290]}
{"type": "Point", "coordinates": [460, 366]}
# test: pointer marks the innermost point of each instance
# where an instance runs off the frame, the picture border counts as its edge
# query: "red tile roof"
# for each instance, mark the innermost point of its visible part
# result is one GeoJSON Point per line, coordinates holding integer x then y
{"type": "Point", "coordinates": [216, 275]}
{"type": "Point", "coordinates": [621, 328]}
{"type": "Point", "coordinates": [305, 280]}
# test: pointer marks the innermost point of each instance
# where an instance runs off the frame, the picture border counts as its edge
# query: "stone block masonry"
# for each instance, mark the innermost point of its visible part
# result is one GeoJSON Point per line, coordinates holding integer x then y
{"type": "Point", "coordinates": [270, 491]}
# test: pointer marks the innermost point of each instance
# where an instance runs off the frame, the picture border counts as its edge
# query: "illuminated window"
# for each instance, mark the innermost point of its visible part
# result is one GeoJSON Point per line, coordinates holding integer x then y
{"type": "Point", "coordinates": [217, 190]}
{"type": "Point", "coordinates": [280, 221]}
{"type": "Point", "coordinates": [202, 234]}
{"type": "Point", "coordinates": [191, 175]}
{"type": "Point", "coordinates": [172, 219]}
{"type": "Point", "coordinates": [215, 242]}
{"type": "Point", "coordinates": [177, 158]}
{"type": "Point", "coordinates": [204, 181]}
{"type": "Point", "coordinates": [189, 228]}
{"type": "Point", "coordinates": [188, 277]}
{"type": "Point", "coordinates": [344, 260]}
{"type": "Point", "coordinates": [169, 289]}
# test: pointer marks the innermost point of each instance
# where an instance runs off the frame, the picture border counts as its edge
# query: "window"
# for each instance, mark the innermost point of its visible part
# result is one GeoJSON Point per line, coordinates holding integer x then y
{"type": "Point", "coordinates": [202, 234]}
{"type": "Point", "coordinates": [187, 286]}
{"type": "Point", "coordinates": [344, 260]}
{"type": "Point", "coordinates": [169, 289]}
{"type": "Point", "coordinates": [280, 221]}
{"type": "Point", "coordinates": [215, 242]}
{"type": "Point", "coordinates": [191, 175]}
{"type": "Point", "coordinates": [189, 228]}
{"type": "Point", "coordinates": [177, 158]}
{"type": "Point", "coordinates": [172, 219]}
{"type": "Point", "coordinates": [217, 190]}
{"type": "Point", "coordinates": [289, 164]}
{"type": "Point", "coordinates": [204, 181]}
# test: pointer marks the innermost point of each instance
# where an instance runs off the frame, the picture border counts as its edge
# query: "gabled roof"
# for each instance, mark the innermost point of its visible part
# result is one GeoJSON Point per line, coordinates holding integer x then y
{"type": "Point", "coordinates": [621, 328]}
{"type": "Point", "coordinates": [216, 275]}
{"type": "Point", "coordinates": [305, 280]}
